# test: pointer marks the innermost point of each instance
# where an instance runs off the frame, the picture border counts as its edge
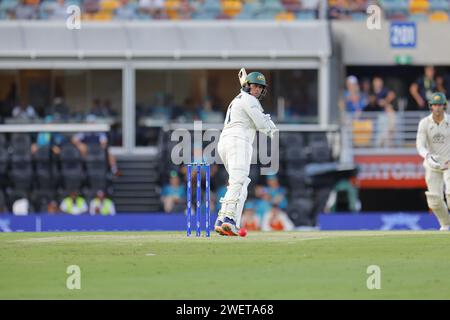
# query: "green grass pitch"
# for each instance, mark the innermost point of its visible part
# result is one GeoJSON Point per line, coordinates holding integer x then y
{"type": "Point", "coordinates": [168, 265]}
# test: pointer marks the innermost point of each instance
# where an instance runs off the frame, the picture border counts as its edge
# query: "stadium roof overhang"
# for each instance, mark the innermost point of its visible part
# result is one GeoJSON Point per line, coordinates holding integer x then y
{"type": "Point", "coordinates": [164, 44]}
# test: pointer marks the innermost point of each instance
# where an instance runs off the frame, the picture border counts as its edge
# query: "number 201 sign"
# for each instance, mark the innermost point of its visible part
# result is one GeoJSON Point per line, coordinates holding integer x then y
{"type": "Point", "coordinates": [403, 35]}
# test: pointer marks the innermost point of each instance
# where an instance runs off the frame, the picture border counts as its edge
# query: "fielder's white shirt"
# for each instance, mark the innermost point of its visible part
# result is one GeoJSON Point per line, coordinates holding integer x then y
{"type": "Point", "coordinates": [244, 116]}
{"type": "Point", "coordinates": [434, 138]}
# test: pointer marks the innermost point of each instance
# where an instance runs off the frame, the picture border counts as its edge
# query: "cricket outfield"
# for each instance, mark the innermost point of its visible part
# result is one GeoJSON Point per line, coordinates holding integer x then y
{"type": "Point", "coordinates": [168, 265]}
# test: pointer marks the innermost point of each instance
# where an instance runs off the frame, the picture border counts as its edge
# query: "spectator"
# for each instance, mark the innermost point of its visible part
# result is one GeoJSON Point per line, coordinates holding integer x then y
{"type": "Point", "coordinates": [24, 112]}
{"type": "Point", "coordinates": [74, 204]}
{"type": "Point", "coordinates": [125, 11]}
{"type": "Point", "coordinates": [26, 11]}
{"type": "Point", "coordinates": [277, 220]}
{"type": "Point", "coordinates": [277, 193]}
{"type": "Point", "coordinates": [208, 114]}
{"type": "Point", "coordinates": [91, 6]}
{"type": "Point", "coordinates": [57, 10]}
{"type": "Point", "coordinates": [310, 5]}
{"type": "Point", "coordinates": [21, 207]}
{"type": "Point", "coordinates": [339, 10]}
{"type": "Point", "coordinates": [423, 88]}
{"type": "Point", "coordinates": [185, 10]}
{"type": "Point", "coordinates": [354, 101]}
{"type": "Point", "coordinates": [58, 110]}
{"type": "Point", "coordinates": [101, 110]}
{"type": "Point", "coordinates": [153, 8]}
{"type": "Point", "coordinates": [7, 105]}
{"type": "Point", "coordinates": [358, 6]}
{"type": "Point", "coordinates": [160, 109]}
{"type": "Point", "coordinates": [187, 112]}
{"type": "Point", "coordinates": [386, 120]}
{"type": "Point", "coordinates": [440, 85]}
{"type": "Point", "coordinates": [52, 207]}
{"type": "Point", "coordinates": [108, 109]}
{"type": "Point", "coordinates": [53, 139]}
{"type": "Point", "coordinates": [343, 186]}
{"type": "Point", "coordinates": [173, 195]}
{"type": "Point", "coordinates": [102, 205]}
{"type": "Point", "coordinates": [3, 207]}
{"type": "Point", "coordinates": [262, 202]}
{"type": "Point", "coordinates": [82, 140]}
{"type": "Point", "coordinates": [373, 105]}
{"type": "Point", "coordinates": [249, 219]}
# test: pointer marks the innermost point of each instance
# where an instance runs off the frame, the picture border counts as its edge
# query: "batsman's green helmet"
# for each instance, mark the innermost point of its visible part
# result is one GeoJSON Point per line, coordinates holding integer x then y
{"type": "Point", "coordinates": [437, 98]}
{"type": "Point", "coordinates": [257, 78]}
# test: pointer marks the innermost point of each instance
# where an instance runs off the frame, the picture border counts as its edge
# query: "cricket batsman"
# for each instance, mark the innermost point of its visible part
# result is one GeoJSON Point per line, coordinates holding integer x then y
{"type": "Point", "coordinates": [433, 144]}
{"type": "Point", "coordinates": [244, 116]}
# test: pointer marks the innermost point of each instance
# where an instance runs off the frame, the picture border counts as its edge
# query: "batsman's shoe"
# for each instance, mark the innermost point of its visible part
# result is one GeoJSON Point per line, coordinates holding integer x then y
{"type": "Point", "coordinates": [218, 226]}
{"type": "Point", "coordinates": [229, 226]}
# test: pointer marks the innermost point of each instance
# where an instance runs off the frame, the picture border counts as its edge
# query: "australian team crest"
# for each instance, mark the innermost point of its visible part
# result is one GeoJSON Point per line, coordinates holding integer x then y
{"type": "Point", "coordinates": [438, 138]}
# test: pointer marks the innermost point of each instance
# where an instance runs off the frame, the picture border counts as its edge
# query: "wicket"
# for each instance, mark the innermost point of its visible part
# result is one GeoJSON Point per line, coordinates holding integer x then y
{"type": "Point", "coordinates": [198, 212]}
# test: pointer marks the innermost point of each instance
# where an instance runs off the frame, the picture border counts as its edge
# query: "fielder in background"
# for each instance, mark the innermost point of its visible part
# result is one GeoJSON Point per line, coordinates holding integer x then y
{"type": "Point", "coordinates": [433, 144]}
{"type": "Point", "coordinates": [244, 116]}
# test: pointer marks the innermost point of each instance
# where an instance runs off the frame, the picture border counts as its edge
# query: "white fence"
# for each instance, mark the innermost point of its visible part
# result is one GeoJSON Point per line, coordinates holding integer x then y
{"type": "Point", "coordinates": [378, 131]}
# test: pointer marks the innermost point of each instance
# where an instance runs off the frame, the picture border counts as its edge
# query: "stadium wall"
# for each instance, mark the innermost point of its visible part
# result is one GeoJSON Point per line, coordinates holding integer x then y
{"type": "Point", "coordinates": [177, 222]}
{"type": "Point", "coordinates": [361, 46]}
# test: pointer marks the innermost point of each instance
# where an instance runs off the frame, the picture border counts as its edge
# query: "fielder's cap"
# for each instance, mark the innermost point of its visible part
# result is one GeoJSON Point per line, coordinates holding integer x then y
{"type": "Point", "coordinates": [272, 177]}
{"type": "Point", "coordinates": [173, 174]}
{"type": "Point", "coordinates": [438, 98]}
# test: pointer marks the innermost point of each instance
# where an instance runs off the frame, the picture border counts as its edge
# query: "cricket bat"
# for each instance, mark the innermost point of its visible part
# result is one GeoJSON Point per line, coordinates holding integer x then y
{"type": "Point", "coordinates": [242, 75]}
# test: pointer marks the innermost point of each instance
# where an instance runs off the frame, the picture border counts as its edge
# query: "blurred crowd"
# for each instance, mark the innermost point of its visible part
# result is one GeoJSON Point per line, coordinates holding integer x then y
{"type": "Point", "coordinates": [366, 95]}
{"type": "Point", "coordinates": [265, 208]}
{"type": "Point", "coordinates": [288, 10]}
{"type": "Point", "coordinates": [104, 10]}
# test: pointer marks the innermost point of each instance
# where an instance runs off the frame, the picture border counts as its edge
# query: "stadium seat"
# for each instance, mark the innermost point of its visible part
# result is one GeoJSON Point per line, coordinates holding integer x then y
{"type": "Point", "coordinates": [73, 2]}
{"type": "Point", "coordinates": [71, 167]}
{"type": "Point", "coordinates": [172, 7]}
{"type": "Point", "coordinates": [318, 137]}
{"type": "Point", "coordinates": [4, 157]}
{"type": "Point", "coordinates": [46, 172]}
{"type": "Point", "coordinates": [109, 5]}
{"type": "Point", "coordinates": [21, 165]}
{"type": "Point", "coordinates": [20, 141]}
{"type": "Point", "coordinates": [362, 132]}
{"type": "Point", "coordinates": [270, 9]}
{"type": "Point", "coordinates": [291, 138]}
{"type": "Point", "coordinates": [96, 165]}
{"type": "Point", "coordinates": [395, 8]}
{"type": "Point", "coordinates": [418, 6]}
{"type": "Point", "coordinates": [285, 16]}
{"type": "Point", "coordinates": [21, 174]}
{"type": "Point", "coordinates": [3, 141]}
{"type": "Point", "coordinates": [306, 15]}
{"type": "Point", "coordinates": [7, 9]}
{"type": "Point", "coordinates": [439, 5]}
{"type": "Point", "coordinates": [300, 211]}
{"type": "Point", "coordinates": [294, 153]}
{"type": "Point", "coordinates": [439, 16]}
{"type": "Point", "coordinates": [249, 10]}
{"type": "Point", "coordinates": [292, 5]}
{"type": "Point", "coordinates": [418, 17]}
{"type": "Point", "coordinates": [102, 16]}
{"type": "Point", "coordinates": [231, 7]}
{"type": "Point", "coordinates": [319, 152]}
{"type": "Point", "coordinates": [3, 202]}
{"type": "Point", "coordinates": [209, 10]}
{"type": "Point", "coordinates": [358, 16]}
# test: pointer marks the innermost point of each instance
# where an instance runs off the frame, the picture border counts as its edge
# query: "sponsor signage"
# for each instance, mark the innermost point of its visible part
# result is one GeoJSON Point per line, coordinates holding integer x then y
{"type": "Point", "coordinates": [390, 171]}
